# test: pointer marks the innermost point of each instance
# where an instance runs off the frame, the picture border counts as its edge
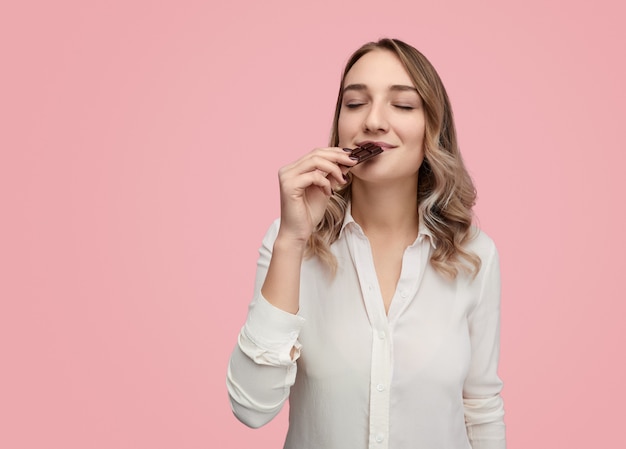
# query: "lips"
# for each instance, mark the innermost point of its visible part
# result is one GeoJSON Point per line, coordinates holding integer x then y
{"type": "Point", "coordinates": [383, 145]}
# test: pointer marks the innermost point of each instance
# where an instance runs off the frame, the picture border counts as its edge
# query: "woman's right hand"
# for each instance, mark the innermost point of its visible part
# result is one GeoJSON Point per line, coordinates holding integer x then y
{"type": "Point", "coordinates": [306, 186]}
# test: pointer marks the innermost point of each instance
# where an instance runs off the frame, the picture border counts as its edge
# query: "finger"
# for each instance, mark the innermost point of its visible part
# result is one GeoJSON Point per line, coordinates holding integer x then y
{"type": "Point", "coordinates": [340, 156]}
{"type": "Point", "coordinates": [334, 154]}
{"type": "Point", "coordinates": [332, 160]}
{"type": "Point", "coordinates": [296, 185]}
{"type": "Point", "coordinates": [328, 167]}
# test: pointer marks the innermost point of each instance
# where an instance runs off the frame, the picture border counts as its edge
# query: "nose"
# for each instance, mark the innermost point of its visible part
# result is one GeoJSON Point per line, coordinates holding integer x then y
{"type": "Point", "coordinates": [376, 119]}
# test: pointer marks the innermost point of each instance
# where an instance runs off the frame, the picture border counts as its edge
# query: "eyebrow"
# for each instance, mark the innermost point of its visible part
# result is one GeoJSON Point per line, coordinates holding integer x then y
{"type": "Point", "coordinates": [397, 87]}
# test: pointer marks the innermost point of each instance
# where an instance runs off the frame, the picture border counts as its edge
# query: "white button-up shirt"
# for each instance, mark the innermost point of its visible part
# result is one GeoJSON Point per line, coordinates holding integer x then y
{"type": "Point", "coordinates": [423, 375]}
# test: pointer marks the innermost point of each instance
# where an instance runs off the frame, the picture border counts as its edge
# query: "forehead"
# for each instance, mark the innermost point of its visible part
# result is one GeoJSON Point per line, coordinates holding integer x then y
{"type": "Point", "coordinates": [378, 68]}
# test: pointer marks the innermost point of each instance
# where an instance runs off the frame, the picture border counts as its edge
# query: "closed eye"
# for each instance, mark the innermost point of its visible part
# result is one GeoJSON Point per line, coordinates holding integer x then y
{"type": "Point", "coordinates": [404, 107]}
{"type": "Point", "coordinates": [354, 105]}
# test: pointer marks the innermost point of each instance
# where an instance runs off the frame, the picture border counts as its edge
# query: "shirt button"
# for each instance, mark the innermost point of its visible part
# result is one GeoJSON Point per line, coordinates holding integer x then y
{"type": "Point", "coordinates": [381, 335]}
{"type": "Point", "coordinates": [380, 387]}
{"type": "Point", "coordinates": [370, 288]}
{"type": "Point", "coordinates": [380, 437]}
{"type": "Point", "coordinates": [404, 293]}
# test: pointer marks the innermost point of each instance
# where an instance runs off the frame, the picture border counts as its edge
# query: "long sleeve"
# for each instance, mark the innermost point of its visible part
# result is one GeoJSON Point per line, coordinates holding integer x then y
{"type": "Point", "coordinates": [484, 410]}
{"type": "Point", "coordinates": [262, 370]}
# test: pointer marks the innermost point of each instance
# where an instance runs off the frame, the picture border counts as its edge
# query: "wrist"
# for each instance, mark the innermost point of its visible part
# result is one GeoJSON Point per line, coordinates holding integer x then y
{"type": "Point", "coordinates": [292, 244]}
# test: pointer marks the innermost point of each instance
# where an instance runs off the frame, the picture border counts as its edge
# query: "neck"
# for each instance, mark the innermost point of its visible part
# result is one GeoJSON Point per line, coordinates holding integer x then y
{"type": "Point", "coordinates": [390, 209]}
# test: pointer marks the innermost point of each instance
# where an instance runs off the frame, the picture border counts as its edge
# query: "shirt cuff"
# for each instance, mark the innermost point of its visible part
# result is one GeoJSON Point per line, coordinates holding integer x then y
{"type": "Point", "coordinates": [270, 334]}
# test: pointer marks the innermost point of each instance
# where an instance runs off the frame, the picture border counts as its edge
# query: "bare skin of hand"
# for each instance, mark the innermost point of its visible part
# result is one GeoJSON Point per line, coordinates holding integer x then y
{"type": "Point", "coordinates": [305, 189]}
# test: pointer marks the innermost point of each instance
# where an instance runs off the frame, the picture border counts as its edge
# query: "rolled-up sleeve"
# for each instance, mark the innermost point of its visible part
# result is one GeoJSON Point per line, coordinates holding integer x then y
{"type": "Point", "coordinates": [484, 409]}
{"type": "Point", "coordinates": [262, 367]}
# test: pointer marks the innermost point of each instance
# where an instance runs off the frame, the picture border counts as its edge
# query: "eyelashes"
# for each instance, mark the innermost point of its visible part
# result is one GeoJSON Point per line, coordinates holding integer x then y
{"type": "Point", "coordinates": [402, 107]}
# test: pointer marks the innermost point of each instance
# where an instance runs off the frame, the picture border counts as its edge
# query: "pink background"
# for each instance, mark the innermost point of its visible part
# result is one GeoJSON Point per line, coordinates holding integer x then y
{"type": "Point", "coordinates": [140, 142]}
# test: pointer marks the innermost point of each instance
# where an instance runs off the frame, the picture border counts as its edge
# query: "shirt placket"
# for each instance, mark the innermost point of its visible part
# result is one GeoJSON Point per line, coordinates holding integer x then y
{"type": "Point", "coordinates": [414, 263]}
{"type": "Point", "coordinates": [379, 389]}
{"type": "Point", "coordinates": [380, 372]}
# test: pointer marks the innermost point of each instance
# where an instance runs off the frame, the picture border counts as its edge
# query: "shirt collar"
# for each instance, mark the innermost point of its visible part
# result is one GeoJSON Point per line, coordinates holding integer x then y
{"type": "Point", "coordinates": [348, 222]}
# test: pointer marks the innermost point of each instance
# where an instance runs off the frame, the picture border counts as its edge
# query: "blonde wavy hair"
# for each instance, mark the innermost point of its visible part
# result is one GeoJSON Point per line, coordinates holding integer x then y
{"type": "Point", "coordinates": [445, 191]}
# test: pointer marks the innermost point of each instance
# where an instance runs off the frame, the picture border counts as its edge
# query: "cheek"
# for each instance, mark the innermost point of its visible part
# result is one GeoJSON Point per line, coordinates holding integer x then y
{"type": "Point", "coordinates": [415, 134]}
{"type": "Point", "coordinates": [345, 129]}
{"type": "Point", "coordinates": [349, 122]}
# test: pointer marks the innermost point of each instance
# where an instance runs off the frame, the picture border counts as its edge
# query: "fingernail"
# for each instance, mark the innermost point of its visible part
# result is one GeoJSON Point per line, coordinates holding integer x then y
{"type": "Point", "coordinates": [347, 150]}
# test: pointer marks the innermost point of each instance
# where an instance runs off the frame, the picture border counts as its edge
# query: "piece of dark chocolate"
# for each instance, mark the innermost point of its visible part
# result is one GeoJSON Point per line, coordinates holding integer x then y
{"type": "Point", "coordinates": [365, 152]}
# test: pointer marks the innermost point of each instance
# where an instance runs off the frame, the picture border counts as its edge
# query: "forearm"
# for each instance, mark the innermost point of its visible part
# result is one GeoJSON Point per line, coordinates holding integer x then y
{"type": "Point", "coordinates": [484, 408]}
{"type": "Point", "coordinates": [257, 391]}
{"type": "Point", "coordinates": [484, 420]}
{"type": "Point", "coordinates": [262, 367]}
{"type": "Point", "coordinates": [281, 287]}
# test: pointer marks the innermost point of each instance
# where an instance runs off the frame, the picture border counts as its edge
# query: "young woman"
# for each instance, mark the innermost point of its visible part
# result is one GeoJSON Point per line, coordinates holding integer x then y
{"type": "Point", "coordinates": [376, 307]}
